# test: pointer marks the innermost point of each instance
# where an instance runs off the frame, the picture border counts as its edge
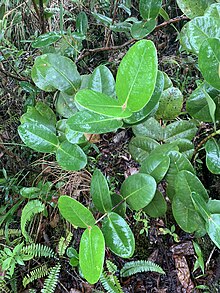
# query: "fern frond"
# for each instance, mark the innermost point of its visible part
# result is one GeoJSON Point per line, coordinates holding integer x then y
{"type": "Point", "coordinates": [112, 268]}
{"type": "Point", "coordinates": [64, 243]}
{"type": "Point", "coordinates": [32, 208]}
{"type": "Point", "coordinates": [35, 274]}
{"type": "Point", "coordinates": [37, 250]}
{"type": "Point", "coordinates": [32, 291]}
{"type": "Point", "coordinates": [3, 287]}
{"type": "Point", "coordinates": [110, 283]}
{"type": "Point", "coordinates": [139, 266]}
{"type": "Point", "coordinates": [52, 280]}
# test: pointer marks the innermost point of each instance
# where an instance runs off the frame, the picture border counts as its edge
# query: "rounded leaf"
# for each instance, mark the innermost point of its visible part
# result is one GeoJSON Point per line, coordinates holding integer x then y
{"type": "Point", "coordinates": [138, 190]}
{"type": "Point", "coordinates": [91, 254]}
{"type": "Point", "coordinates": [70, 156]}
{"type": "Point", "coordinates": [194, 8]}
{"type": "Point", "coordinates": [213, 10]}
{"type": "Point", "coordinates": [140, 147]}
{"type": "Point", "coordinates": [141, 29]}
{"type": "Point", "coordinates": [150, 128]}
{"type": "Point", "coordinates": [149, 8]}
{"type": "Point", "coordinates": [209, 61]}
{"type": "Point", "coordinates": [157, 207]}
{"type": "Point", "coordinates": [118, 235]}
{"type": "Point", "coordinates": [65, 105]}
{"type": "Point", "coordinates": [54, 72]}
{"type": "Point", "coordinates": [136, 76]}
{"type": "Point", "coordinates": [212, 148]}
{"type": "Point", "coordinates": [75, 213]}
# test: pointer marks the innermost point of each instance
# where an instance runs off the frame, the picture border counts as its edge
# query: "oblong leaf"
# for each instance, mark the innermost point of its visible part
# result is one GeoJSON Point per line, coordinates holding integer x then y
{"type": "Point", "coordinates": [141, 29]}
{"type": "Point", "coordinates": [82, 23]}
{"type": "Point", "coordinates": [101, 104]}
{"type": "Point", "coordinates": [209, 61]}
{"type": "Point", "coordinates": [212, 148]}
{"type": "Point", "coordinates": [138, 190]}
{"type": "Point", "coordinates": [100, 192]}
{"type": "Point", "coordinates": [102, 80]}
{"type": "Point", "coordinates": [180, 130]}
{"type": "Point", "coordinates": [90, 122]}
{"type": "Point", "coordinates": [54, 72]}
{"type": "Point", "coordinates": [74, 212]}
{"type": "Point", "coordinates": [196, 31]}
{"type": "Point", "coordinates": [46, 40]}
{"type": "Point", "coordinates": [91, 254]}
{"type": "Point", "coordinates": [70, 156]}
{"type": "Point", "coordinates": [118, 235]}
{"type": "Point", "coordinates": [157, 207]}
{"type": "Point", "coordinates": [136, 76]}
{"type": "Point", "coordinates": [149, 8]}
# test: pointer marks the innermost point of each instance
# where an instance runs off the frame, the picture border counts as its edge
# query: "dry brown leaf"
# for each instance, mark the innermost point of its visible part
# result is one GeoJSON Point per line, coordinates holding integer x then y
{"type": "Point", "coordinates": [93, 138]}
{"type": "Point", "coordinates": [183, 273]}
{"type": "Point", "coordinates": [185, 248]}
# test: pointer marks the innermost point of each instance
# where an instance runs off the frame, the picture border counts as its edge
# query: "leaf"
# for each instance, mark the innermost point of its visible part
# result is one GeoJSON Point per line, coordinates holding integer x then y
{"type": "Point", "coordinates": [140, 147]}
{"type": "Point", "coordinates": [138, 190]}
{"type": "Point", "coordinates": [65, 105]}
{"type": "Point", "coordinates": [196, 31]}
{"type": "Point", "coordinates": [186, 147]}
{"type": "Point", "coordinates": [149, 8]}
{"type": "Point", "coordinates": [70, 156]}
{"type": "Point", "coordinates": [193, 8]}
{"type": "Point", "coordinates": [46, 39]}
{"type": "Point", "coordinates": [136, 76]}
{"type": "Point", "coordinates": [209, 61]}
{"type": "Point", "coordinates": [170, 104]}
{"type": "Point", "coordinates": [178, 162]}
{"type": "Point", "coordinates": [31, 208]}
{"type": "Point", "coordinates": [91, 254]}
{"type": "Point", "coordinates": [144, 113]}
{"type": "Point", "coordinates": [157, 207]}
{"type": "Point", "coordinates": [213, 229]}
{"type": "Point", "coordinates": [118, 235]}
{"type": "Point", "coordinates": [102, 18]}
{"type": "Point", "coordinates": [101, 104]}
{"type": "Point", "coordinates": [197, 103]}
{"type": "Point", "coordinates": [212, 108]}
{"type": "Point", "coordinates": [54, 72]}
{"type": "Point", "coordinates": [102, 80]}
{"type": "Point", "coordinates": [74, 212]}
{"type": "Point", "coordinates": [183, 208]}
{"type": "Point", "coordinates": [118, 208]}
{"type": "Point", "coordinates": [212, 148]}
{"type": "Point", "coordinates": [30, 192]}
{"type": "Point", "coordinates": [90, 122]}
{"type": "Point", "coordinates": [100, 192]}
{"type": "Point", "coordinates": [156, 166]}
{"type": "Point", "coordinates": [143, 28]}
{"type": "Point", "coordinates": [82, 23]}
{"type": "Point", "coordinates": [213, 10]}
{"type": "Point", "coordinates": [180, 130]}
{"type": "Point", "coordinates": [214, 206]}
{"type": "Point", "coordinates": [150, 128]}
{"type": "Point", "coordinates": [139, 266]}
{"type": "Point", "coordinates": [121, 27]}
{"type": "Point", "coordinates": [167, 81]}
{"type": "Point", "coordinates": [74, 137]}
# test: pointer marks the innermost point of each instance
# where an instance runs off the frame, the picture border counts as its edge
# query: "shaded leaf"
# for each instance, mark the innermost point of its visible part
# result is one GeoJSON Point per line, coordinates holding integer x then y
{"type": "Point", "coordinates": [143, 28]}
{"type": "Point", "coordinates": [149, 8]}
{"type": "Point", "coordinates": [212, 148]}
{"type": "Point", "coordinates": [157, 207]}
{"type": "Point", "coordinates": [65, 105]}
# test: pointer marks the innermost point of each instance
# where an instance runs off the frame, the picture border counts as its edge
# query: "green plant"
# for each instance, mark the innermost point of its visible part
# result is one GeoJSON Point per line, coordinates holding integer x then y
{"type": "Point", "coordinates": [171, 232]}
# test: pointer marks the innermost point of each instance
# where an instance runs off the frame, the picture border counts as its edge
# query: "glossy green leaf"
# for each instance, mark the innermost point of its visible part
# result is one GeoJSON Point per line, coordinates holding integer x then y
{"type": "Point", "coordinates": [136, 76]}
{"type": "Point", "coordinates": [213, 229]}
{"type": "Point", "coordinates": [156, 166]}
{"type": "Point", "coordinates": [142, 28]}
{"type": "Point", "coordinates": [214, 206]}
{"type": "Point", "coordinates": [54, 72]}
{"type": "Point", "coordinates": [101, 104]}
{"type": "Point", "coordinates": [209, 61]}
{"type": "Point", "coordinates": [140, 147]}
{"type": "Point", "coordinates": [197, 103]}
{"type": "Point", "coordinates": [183, 208]}
{"type": "Point", "coordinates": [144, 113]}
{"type": "Point", "coordinates": [46, 40]}
{"type": "Point", "coordinates": [74, 212]}
{"type": "Point", "coordinates": [157, 207]}
{"type": "Point", "coordinates": [121, 27]}
{"type": "Point", "coordinates": [200, 205]}
{"type": "Point", "coordinates": [30, 192]}
{"type": "Point", "coordinates": [186, 147]}
{"type": "Point", "coordinates": [91, 254]}
{"type": "Point", "coordinates": [180, 130]}
{"type": "Point", "coordinates": [90, 122]}
{"type": "Point", "coordinates": [196, 31]}
{"type": "Point", "coordinates": [75, 137]}
{"type": "Point", "coordinates": [212, 148]}
{"type": "Point", "coordinates": [164, 14]}
{"type": "Point", "coordinates": [149, 8]}
{"type": "Point", "coordinates": [119, 205]}
{"type": "Point", "coordinates": [47, 112]}
{"type": "Point", "coordinates": [170, 104]}
{"type": "Point", "coordinates": [213, 10]}
{"type": "Point", "coordinates": [178, 162]}
{"type": "Point", "coordinates": [150, 128]}
{"type": "Point", "coordinates": [118, 235]}
{"type": "Point", "coordinates": [102, 18]}
{"type": "Point", "coordinates": [194, 8]}
{"type": "Point", "coordinates": [167, 81]}
{"type": "Point", "coordinates": [65, 105]}
{"type": "Point", "coordinates": [102, 80]}
{"type": "Point", "coordinates": [100, 192]}
{"type": "Point", "coordinates": [70, 156]}
{"type": "Point", "coordinates": [82, 23]}
{"type": "Point", "coordinates": [138, 190]}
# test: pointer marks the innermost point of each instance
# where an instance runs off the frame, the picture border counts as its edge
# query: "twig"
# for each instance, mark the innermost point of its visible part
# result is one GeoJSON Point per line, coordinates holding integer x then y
{"type": "Point", "coordinates": [87, 52]}
{"type": "Point", "coordinates": [6, 73]}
